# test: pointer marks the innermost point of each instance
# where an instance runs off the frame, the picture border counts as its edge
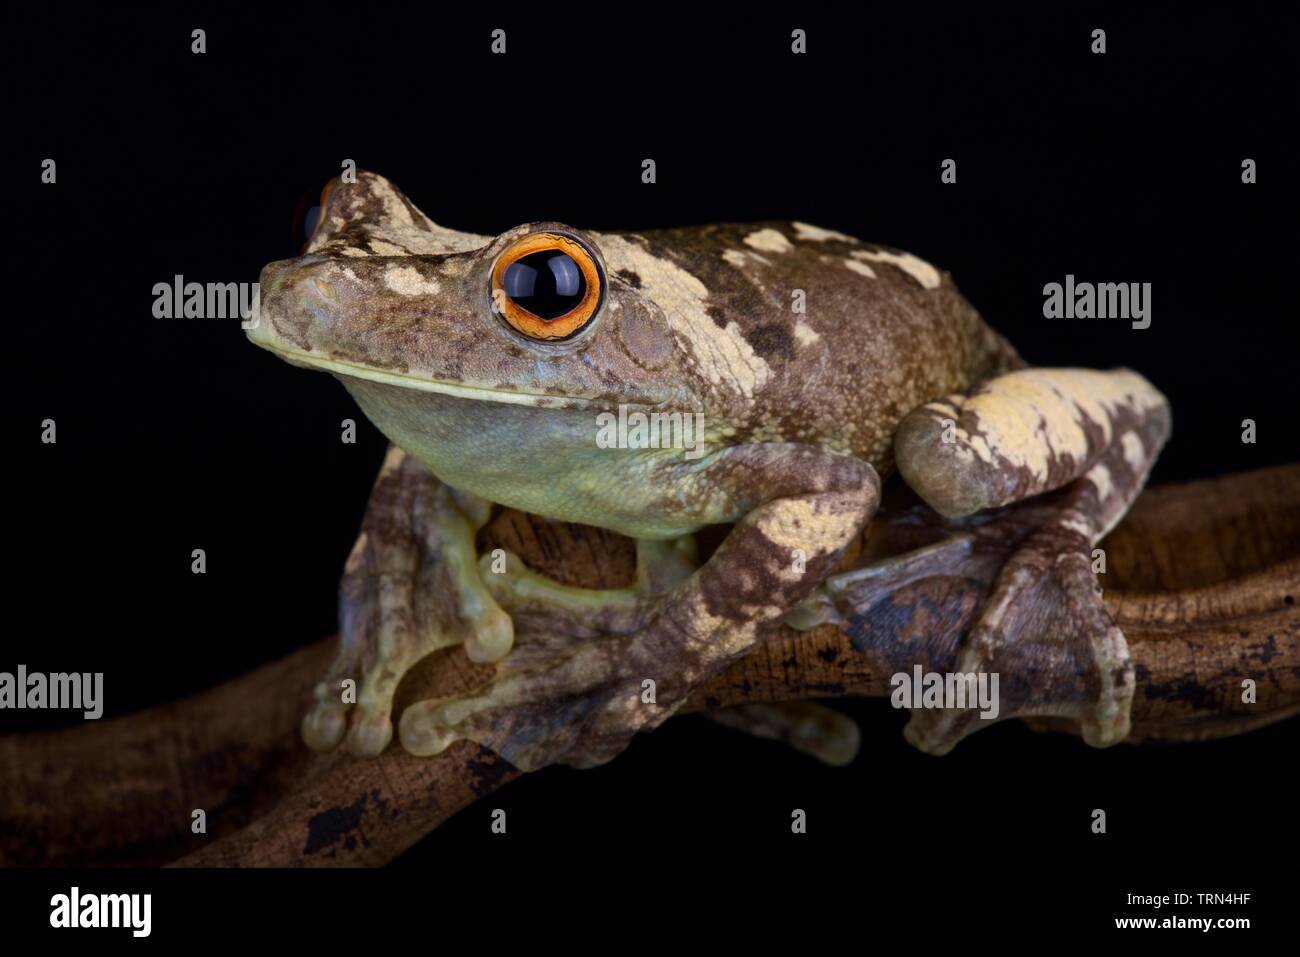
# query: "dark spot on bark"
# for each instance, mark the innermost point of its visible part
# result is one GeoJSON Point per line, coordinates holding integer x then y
{"type": "Point", "coordinates": [327, 828]}
{"type": "Point", "coordinates": [1184, 688]}
{"type": "Point", "coordinates": [718, 315]}
{"type": "Point", "coordinates": [1289, 599]}
{"type": "Point", "coordinates": [771, 341]}
{"type": "Point", "coordinates": [487, 771]}
{"type": "Point", "coordinates": [1264, 651]}
{"type": "Point", "coordinates": [828, 655]}
{"type": "Point", "coordinates": [629, 277]}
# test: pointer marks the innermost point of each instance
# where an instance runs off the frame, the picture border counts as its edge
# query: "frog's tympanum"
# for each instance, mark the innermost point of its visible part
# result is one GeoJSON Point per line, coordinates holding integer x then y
{"type": "Point", "coordinates": [811, 364]}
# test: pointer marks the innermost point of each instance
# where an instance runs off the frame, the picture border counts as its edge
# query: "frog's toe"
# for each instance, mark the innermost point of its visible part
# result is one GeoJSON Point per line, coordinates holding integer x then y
{"type": "Point", "coordinates": [370, 733]}
{"type": "Point", "coordinates": [490, 636]}
{"type": "Point", "coordinates": [509, 716]}
{"type": "Point", "coordinates": [610, 611]}
{"type": "Point", "coordinates": [523, 591]}
{"type": "Point", "coordinates": [324, 725]}
{"type": "Point", "coordinates": [531, 723]}
{"type": "Point", "coordinates": [426, 729]}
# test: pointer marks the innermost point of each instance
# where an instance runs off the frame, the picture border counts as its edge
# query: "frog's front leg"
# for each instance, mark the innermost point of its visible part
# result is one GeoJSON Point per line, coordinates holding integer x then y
{"type": "Point", "coordinates": [577, 698]}
{"type": "Point", "coordinates": [411, 586]}
{"type": "Point", "coordinates": [1043, 629]}
{"type": "Point", "coordinates": [807, 727]}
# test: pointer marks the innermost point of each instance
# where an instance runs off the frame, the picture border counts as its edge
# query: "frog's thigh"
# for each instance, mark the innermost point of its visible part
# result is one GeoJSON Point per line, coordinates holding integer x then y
{"type": "Point", "coordinates": [660, 565]}
{"type": "Point", "coordinates": [1024, 433]}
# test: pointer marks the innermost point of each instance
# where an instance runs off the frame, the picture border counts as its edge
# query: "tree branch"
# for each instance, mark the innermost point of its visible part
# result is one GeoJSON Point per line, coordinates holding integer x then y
{"type": "Point", "coordinates": [1203, 579]}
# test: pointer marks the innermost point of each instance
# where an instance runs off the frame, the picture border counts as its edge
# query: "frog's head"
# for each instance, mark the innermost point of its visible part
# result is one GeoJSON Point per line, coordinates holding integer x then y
{"type": "Point", "coordinates": [532, 317]}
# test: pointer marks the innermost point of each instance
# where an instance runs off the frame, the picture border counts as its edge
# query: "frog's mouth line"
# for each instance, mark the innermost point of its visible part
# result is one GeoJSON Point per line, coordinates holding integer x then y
{"type": "Point", "coordinates": [477, 393]}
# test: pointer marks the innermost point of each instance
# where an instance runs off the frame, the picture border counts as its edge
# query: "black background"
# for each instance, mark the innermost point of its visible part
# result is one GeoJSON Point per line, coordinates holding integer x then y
{"type": "Point", "coordinates": [177, 434]}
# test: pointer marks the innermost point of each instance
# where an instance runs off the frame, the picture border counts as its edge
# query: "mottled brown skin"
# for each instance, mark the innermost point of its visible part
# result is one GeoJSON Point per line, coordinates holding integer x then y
{"type": "Point", "coordinates": [802, 349]}
{"type": "Point", "coordinates": [866, 375]}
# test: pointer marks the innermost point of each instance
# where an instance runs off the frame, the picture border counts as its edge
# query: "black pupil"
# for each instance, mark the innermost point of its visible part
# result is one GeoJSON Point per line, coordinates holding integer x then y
{"type": "Point", "coordinates": [548, 284]}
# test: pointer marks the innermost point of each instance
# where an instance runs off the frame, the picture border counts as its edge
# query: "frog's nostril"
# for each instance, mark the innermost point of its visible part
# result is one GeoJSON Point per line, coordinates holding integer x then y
{"type": "Point", "coordinates": [324, 293]}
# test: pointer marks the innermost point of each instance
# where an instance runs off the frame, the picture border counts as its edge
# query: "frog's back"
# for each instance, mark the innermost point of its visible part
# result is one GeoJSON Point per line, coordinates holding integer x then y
{"type": "Point", "coordinates": [811, 335]}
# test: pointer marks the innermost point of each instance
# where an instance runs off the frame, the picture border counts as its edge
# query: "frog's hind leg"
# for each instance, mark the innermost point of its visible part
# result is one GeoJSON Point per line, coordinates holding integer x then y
{"type": "Point", "coordinates": [1027, 432]}
{"type": "Point", "coordinates": [1042, 629]}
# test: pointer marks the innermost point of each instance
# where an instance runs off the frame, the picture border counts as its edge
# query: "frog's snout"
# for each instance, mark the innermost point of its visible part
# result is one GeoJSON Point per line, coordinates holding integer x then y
{"type": "Point", "coordinates": [293, 297]}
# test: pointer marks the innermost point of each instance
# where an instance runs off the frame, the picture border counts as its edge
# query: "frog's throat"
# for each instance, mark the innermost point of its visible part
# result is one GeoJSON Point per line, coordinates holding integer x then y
{"type": "Point", "coordinates": [479, 393]}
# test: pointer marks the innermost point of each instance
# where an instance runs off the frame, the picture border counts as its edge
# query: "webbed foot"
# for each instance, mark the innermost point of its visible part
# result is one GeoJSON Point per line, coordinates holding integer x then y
{"type": "Point", "coordinates": [411, 586]}
{"type": "Point", "coordinates": [1046, 635]}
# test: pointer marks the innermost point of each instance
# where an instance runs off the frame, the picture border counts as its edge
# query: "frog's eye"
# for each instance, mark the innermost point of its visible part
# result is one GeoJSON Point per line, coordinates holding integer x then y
{"type": "Point", "coordinates": [547, 286]}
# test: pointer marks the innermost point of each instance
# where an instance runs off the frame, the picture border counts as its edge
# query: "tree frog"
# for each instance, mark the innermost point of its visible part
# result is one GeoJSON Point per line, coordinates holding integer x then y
{"type": "Point", "coordinates": [801, 364]}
